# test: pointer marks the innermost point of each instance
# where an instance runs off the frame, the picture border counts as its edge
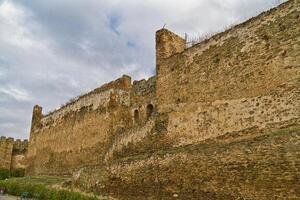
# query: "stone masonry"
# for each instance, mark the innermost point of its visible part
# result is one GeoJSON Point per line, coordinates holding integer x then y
{"type": "Point", "coordinates": [12, 153]}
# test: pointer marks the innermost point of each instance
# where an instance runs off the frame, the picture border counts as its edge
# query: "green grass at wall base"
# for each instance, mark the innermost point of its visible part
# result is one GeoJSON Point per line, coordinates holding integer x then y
{"type": "Point", "coordinates": [40, 191]}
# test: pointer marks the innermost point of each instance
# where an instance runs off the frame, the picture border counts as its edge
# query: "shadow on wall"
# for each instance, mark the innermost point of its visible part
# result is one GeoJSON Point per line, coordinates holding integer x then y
{"type": "Point", "coordinates": [137, 114]}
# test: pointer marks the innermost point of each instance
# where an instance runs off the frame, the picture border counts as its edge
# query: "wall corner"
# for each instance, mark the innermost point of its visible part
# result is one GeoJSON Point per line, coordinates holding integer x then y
{"type": "Point", "coordinates": [168, 44]}
{"type": "Point", "coordinates": [126, 81]}
{"type": "Point", "coordinates": [36, 118]}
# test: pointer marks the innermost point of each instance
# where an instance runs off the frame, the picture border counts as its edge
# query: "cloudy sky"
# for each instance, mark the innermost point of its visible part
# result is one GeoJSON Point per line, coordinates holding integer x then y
{"type": "Point", "coordinates": [52, 50]}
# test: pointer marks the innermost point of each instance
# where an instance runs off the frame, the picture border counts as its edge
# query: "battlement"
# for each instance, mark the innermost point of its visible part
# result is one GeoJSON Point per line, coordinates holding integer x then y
{"type": "Point", "coordinates": [143, 86]}
{"type": "Point", "coordinates": [12, 152]}
{"type": "Point", "coordinates": [20, 146]}
{"type": "Point", "coordinates": [17, 144]}
{"type": "Point", "coordinates": [4, 139]}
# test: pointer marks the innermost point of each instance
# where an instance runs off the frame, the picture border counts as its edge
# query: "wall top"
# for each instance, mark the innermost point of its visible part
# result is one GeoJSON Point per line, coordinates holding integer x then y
{"type": "Point", "coordinates": [168, 44]}
{"type": "Point", "coordinates": [12, 140]}
{"type": "Point", "coordinates": [123, 83]}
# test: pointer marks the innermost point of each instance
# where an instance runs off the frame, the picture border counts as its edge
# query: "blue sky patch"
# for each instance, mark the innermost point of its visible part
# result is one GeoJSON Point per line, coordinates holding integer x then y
{"type": "Point", "coordinates": [131, 44]}
{"type": "Point", "coordinates": [114, 22]}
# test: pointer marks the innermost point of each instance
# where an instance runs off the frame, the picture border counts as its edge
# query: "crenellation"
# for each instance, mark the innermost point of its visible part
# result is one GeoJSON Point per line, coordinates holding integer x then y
{"type": "Point", "coordinates": [2, 138]}
{"type": "Point", "coordinates": [6, 139]}
{"type": "Point", "coordinates": [20, 146]}
{"type": "Point", "coordinates": [143, 86]}
{"type": "Point", "coordinates": [11, 152]}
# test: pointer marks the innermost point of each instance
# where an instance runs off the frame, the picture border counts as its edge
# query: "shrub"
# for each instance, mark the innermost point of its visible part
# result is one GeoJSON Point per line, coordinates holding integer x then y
{"type": "Point", "coordinates": [4, 174]}
{"type": "Point", "coordinates": [17, 173]}
{"type": "Point", "coordinates": [39, 191]}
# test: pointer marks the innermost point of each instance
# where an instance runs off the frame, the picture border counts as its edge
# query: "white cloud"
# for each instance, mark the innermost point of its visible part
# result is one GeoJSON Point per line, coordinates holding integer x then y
{"type": "Point", "coordinates": [13, 31]}
{"type": "Point", "coordinates": [16, 93]}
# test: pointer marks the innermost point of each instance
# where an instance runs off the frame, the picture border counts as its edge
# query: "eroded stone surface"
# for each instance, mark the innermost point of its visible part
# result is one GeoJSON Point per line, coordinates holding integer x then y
{"type": "Point", "coordinates": [12, 153]}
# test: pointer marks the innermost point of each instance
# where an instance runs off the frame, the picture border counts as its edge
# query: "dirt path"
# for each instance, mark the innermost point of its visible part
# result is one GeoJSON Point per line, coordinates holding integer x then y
{"type": "Point", "coordinates": [8, 198]}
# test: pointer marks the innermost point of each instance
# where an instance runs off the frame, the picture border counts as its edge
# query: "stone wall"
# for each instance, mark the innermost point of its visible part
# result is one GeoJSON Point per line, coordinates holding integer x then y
{"type": "Point", "coordinates": [143, 92]}
{"type": "Point", "coordinates": [252, 164]}
{"type": "Point", "coordinates": [143, 96]}
{"type": "Point", "coordinates": [194, 122]}
{"type": "Point", "coordinates": [227, 116]}
{"type": "Point", "coordinates": [80, 133]}
{"type": "Point", "coordinates": [13, 153]}
{"type": "Point", "coordinates": [129, 140]}
{"type": "Point", "coordinates": [19, 151]}
{"type": "Point", "coordinates": [230, 81]}
{"type": "Point", "coordinates": [6, 146]}
{"type": "Point", "coordinates": [77, 134]}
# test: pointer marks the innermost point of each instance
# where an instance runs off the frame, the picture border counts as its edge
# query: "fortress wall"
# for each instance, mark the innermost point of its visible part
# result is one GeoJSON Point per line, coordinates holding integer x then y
{"type": "Point", "coordinates": [258, 166]}
{"type": "Point", "coordinates": [78, 134]}
{"type": "Point", "coordinates": [18, 159]}
{"type": "Point", "coordinates": [12, 153]}
{"type": "Point", "coordinates": [99, 97]}
{"type": "Point", "coordinates": [143, 91]}
{"type": "Point", "coordinates": [238, 91]}
{"type": "Point", "coordinates": [142, 95]}
{"type": "Point", "coordinates": [194, 122]}
{"type": "Point", "coordinates": [78, 141]}
{"type": "Point", "coordinates": [203, 88]}
{"type": "Point", "coordinates": [6, 148]}
{"type": "Point", "coordinates": [124, 143]}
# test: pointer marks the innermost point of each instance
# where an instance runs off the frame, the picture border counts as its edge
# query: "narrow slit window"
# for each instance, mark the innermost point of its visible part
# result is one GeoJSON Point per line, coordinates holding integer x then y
{"type": "Point", "coordinates": [150, 109]}
{"type": "Point", "coordinates": [136, 116]}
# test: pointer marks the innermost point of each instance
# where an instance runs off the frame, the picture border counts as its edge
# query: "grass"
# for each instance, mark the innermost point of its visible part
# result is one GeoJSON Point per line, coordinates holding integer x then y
{"type": "Point", "coordinates": [40, 188]}
{"type": "Point", "coordinates": [6, 173]}
{"type": "Point", "coordinates": [43, 180]}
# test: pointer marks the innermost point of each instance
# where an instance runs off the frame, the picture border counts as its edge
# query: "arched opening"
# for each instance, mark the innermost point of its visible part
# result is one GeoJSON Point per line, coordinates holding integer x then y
{"type": "Point", "coordinates": [150, 110]}
{"type": "Point", "coordinates": [136, 116]}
